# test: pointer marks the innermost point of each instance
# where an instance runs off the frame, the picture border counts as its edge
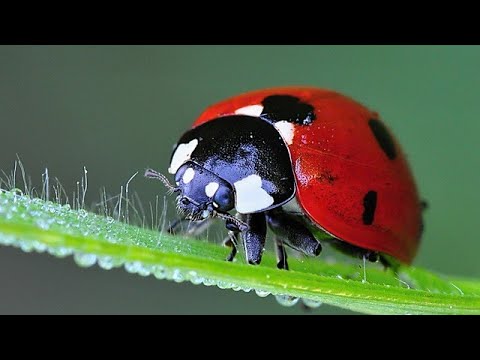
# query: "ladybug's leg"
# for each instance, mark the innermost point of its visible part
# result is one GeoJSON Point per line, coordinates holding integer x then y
{"type": "Point", "coordinates": [389, 262]}
{"type": "Point", "coordinates": [281, 254]}
{"type": "Point", "coordinates": [231, 241]}
{"type": "Point", "coordinates": [188, 227]}
{"type": "Point", "coordinates": [293, 232]}
{"type": "Point", "coordinates": [354, 251]}
{"type": "Point", "coordinates": [172, 229]}
{"type": "Point", "coordinates": [254, 237]}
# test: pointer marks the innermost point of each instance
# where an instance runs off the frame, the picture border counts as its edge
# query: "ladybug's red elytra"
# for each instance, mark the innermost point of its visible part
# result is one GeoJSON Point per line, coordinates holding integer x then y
{"type": "Point", "coordinates": [296, 159]}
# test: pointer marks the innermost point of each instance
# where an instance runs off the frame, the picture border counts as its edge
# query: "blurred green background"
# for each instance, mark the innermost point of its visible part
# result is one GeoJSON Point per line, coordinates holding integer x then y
{"type": "Point", "coordinates": [118, 109]}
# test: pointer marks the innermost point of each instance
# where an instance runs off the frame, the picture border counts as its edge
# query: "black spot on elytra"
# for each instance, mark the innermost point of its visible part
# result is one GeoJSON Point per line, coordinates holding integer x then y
{"type": "Point", "coordinates": [287, 108]}
{"type": "Point", "coordinates": [369, 206]}
{"type": "Point", "coordinates": [383, 138]}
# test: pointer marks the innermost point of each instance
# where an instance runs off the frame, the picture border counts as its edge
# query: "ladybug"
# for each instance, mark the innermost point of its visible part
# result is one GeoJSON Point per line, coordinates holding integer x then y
{"type": "Point", "coordinates": [298, 159]}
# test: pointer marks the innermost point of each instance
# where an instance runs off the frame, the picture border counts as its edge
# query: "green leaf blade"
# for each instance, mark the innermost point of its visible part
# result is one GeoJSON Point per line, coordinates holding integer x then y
{"type": "Point", "coordinates": [33, 224]}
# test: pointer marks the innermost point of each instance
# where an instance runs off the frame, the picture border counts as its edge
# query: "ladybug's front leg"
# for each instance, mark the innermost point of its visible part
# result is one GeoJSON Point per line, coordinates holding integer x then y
{"type": "Point", "coordinates": [254, 237]}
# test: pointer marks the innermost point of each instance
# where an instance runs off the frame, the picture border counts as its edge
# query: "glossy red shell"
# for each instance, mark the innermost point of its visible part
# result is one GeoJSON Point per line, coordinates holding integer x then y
{"type": "Point", "coordinates": [336, 161]}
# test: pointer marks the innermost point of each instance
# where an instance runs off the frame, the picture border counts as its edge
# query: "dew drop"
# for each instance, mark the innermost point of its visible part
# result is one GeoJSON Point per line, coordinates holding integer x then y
{"type": "Point", "coordinates": [144, 270]}
{"type": "Point", "coordinates": [194, 278]}
{"type": "Point", "coordinates": [84, 260]}
{"type": "Point", "coordinates": [159, 272]}
{"type": "Point", "coordinates": [26, 246]}
{"type": "Point", "coordinates": [130, 267]}
{"type": "Point", "coordinates": [262, 293]}
{"type": "Point", "coordinates": [105, 262]}
{"type": "Point", "coordinates": [38, 246]}
{"type": "Point", "coordinates": [177, 276]}
{"type": "Point", "coordinates": [208, 282]}
{"type": "Point", "coordinates": [136, 267]}
{"type": "Point", "coordinates": [108, 262]}
{"type": "Point", "coordinates": [6, 239]}
{"type": "Point", "coordinates": [223, 285]}
{"type": "Point", "coordinates": [286, 300]}
{"type": "Point", "coordinates": [312, 304]}
{"type": "Point", "coordinates": [59, 252]}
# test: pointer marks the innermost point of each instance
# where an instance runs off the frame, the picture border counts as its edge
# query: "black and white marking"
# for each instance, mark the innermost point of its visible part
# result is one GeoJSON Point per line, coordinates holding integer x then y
{"type": "Point", "coordinates": [182, 153]}
{"type": "Point", "coordinates": [286, 130]}
{"type": "Point", "coordinates": [251, 197]}
{"type": "Point", "coordinates": [188, 175]}
{"type": "Point", "coordinates": [251, 110]}
{"type": "Point", "coordinates": [287, 108]}
{"type": "Point", "coordinates": [211, 189]}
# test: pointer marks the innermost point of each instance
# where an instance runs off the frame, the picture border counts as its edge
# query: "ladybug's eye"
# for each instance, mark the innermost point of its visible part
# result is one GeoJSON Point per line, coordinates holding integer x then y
{"type": "Point", "coordinates": [223, 198]}
{"type": "Point", "coordinates": [185, 201]}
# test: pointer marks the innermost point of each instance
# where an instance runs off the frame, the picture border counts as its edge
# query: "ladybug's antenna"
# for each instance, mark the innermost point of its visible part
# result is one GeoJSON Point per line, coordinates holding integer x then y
{"type": "Point", "coordinates": [152, 174]}
{"type": "Point", "coordinates": [238, 223]}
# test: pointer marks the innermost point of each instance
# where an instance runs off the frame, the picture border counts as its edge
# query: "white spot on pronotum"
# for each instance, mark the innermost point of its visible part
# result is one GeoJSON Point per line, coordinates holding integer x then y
{"type": "Point", "coordinates": [250, 195]}
{"type": "Point", "coordinates": [287, 130]}
{"type": "Point", "coordinates": [188, 175]}
{"type": "Point", "coordinates": [182, 154]}
{"type": "Point", "coordinates": [251, 110]}
{"type": "Point", "coordinates": [211, 189]}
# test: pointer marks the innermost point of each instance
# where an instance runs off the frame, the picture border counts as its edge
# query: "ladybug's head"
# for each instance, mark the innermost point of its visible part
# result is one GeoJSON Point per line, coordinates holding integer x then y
{"type": "Point", "coordinates": [201, 193]}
